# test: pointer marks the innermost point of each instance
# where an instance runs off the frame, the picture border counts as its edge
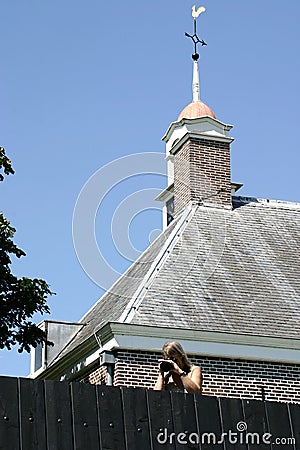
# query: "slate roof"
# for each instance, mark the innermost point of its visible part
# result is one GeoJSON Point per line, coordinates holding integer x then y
{"type": "Point", "coordinates": [234, 271]}
{"type": "Point", "coordinates": [252, 285]}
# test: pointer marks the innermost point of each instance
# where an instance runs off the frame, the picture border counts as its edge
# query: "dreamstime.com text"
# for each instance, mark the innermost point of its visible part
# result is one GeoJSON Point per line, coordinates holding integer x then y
{"type": "Point", "coordinates": [241, 436]}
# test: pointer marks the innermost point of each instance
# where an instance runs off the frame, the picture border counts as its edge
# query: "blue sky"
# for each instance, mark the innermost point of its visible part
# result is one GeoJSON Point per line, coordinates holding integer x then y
{"type": "Point", "coordinates": [85, 83]}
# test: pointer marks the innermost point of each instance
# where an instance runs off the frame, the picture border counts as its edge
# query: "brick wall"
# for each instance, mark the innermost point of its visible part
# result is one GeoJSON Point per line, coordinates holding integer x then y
{"type": "Point", "coordinates": [95, 376]}
{"type": "Point", "coordinates": [201, 170]}
{"type": "Point", "coordinates": [221, 377]}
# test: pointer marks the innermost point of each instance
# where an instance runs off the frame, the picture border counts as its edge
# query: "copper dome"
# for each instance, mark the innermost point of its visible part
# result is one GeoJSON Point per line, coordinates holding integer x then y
{"type": "Point", "coordinates": [196, 109]}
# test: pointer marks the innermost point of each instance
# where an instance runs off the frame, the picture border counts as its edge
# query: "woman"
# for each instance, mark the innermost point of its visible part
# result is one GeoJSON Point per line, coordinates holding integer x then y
{"type": "Point", "coordinates": [181, 375]}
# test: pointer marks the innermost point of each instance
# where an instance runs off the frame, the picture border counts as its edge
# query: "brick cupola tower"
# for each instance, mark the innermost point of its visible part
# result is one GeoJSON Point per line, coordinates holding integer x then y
{"type": "Point", "coordinates": [198, 154]}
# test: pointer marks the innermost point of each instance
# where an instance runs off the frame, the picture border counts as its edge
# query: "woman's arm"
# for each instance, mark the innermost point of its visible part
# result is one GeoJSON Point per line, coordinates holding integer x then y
{"type": "Point", "coordinates": [192, 384]}
{"type": "Point", "coordinates": [160, 383]}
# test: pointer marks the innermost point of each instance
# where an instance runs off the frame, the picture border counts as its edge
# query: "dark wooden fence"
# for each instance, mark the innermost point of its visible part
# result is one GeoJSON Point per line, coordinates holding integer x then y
{"type": "Point", "coordinates": [52, 415]}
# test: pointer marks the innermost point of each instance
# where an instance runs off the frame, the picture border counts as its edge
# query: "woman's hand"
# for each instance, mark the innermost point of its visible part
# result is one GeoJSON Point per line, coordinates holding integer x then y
{"type": "Point", "coordinates": [175, 368]}
{"type": "Point", "coordinates": [160, 371]}
{"type": "Point", "coordinates": [160, 382]}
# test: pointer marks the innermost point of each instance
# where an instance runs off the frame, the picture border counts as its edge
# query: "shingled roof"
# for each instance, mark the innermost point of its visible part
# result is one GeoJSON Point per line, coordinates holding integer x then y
{"type": "Point", "coordinates": [213, 269]}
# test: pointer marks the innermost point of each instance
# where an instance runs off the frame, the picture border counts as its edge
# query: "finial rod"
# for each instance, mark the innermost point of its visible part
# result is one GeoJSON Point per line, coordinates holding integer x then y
{"type": "Point", "coordinates": [196, 83]}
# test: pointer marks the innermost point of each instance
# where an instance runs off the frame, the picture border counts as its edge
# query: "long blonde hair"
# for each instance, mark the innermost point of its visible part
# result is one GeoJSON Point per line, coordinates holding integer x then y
{"type": "Point", "coordinates": [173, 349]}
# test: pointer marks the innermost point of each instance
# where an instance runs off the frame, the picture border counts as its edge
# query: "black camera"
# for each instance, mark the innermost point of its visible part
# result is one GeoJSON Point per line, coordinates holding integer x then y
{"type": "Point", "coordinates": [166, 365]}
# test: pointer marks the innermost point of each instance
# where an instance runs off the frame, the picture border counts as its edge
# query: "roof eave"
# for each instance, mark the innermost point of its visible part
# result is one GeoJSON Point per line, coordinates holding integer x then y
{"type": "Point", "coordinates": [180, 123]}
{"type": "Point", "coordinates": [127, 336]}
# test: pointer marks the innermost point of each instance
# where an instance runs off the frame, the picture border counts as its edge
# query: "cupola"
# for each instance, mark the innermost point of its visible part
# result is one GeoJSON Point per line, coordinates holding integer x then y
{"type": "Point", "coordinates": [197, 151]}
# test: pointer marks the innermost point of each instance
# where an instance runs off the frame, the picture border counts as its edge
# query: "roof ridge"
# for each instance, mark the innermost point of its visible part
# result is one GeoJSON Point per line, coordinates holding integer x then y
{"type": "Point", "coordinates": [110, 289]}
{"type": "Point", "coordinates": [266, 202]}
{"type": "Point", "coordinates": [140, 293]}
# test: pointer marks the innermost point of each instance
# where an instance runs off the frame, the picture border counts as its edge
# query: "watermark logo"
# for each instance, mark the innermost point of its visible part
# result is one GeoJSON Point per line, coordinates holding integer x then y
{"type": "Point", "coordinates": [238, 436]}
{"type": "Point", "coordinates": [93, 195]}
{"type": "Point", "coordinates": [207, 247]}
{"type": "Point", "coordinates": [241, 426]}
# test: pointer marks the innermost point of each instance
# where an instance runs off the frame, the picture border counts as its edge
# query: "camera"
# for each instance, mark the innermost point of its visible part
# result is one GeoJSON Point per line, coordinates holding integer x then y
{"type": "Point", "coordinates": [166, 365]}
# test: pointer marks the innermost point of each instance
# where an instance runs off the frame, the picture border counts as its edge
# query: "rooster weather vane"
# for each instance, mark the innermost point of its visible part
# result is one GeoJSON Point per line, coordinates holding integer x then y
{"type": "Point", "coordinates": [196, 40]}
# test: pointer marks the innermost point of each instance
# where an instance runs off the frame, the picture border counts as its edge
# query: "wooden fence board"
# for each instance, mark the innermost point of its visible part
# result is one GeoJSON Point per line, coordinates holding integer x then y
{"type": "Point", "coordinates": [295, 422]}
{"type": "Point", "coordinates": [58, 416]}
{"type": "Point", "coordinates": [185, 421]}
{"type": "Point", "coordinates": [136, 420]}
{"type": "Point", "coordinates": [85, 416]}
{"type": "Point", "coordinates": [161, 422]}
{"type": "Point", "coordinates": [233, 422]}
{"type": "Point", "coordinates": [51, 415]}
{"type": "Point", "coordinates": [207, 408]}
{"type": "Point", "coordinates": [32, 414]}
{"type": "Point", "coordinates": [110, 418]}
{"type": "Point", "coordinates": [256, 420]}
{"type": "Point", "coordinates": [9, 414]}
{"type": "Point", "coordinates": [279, 423]}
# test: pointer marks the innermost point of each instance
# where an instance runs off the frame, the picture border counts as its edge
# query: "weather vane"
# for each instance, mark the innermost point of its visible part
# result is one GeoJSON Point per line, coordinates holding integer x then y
{"type": "Point", "coordinates": [196, 40]}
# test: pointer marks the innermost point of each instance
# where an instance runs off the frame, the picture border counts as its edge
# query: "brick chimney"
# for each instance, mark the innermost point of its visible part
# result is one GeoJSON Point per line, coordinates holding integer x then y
{"type": "Point", "coordinates": [198, 155]}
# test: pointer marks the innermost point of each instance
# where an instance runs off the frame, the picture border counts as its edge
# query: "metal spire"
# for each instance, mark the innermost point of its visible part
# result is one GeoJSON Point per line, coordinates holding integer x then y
{"type": "Point", "coordinates": [196, 40]}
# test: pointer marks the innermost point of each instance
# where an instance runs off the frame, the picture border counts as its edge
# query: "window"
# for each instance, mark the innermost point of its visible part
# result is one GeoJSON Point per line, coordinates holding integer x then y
{"type": "Point", "coordinates": [38, 360]}
{"type": "Point", "coordinates": [170, 210]}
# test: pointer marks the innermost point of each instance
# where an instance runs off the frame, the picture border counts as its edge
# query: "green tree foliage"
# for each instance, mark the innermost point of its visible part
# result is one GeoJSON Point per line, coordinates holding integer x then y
{"type": "Point", "coordinates": [20, 298]}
